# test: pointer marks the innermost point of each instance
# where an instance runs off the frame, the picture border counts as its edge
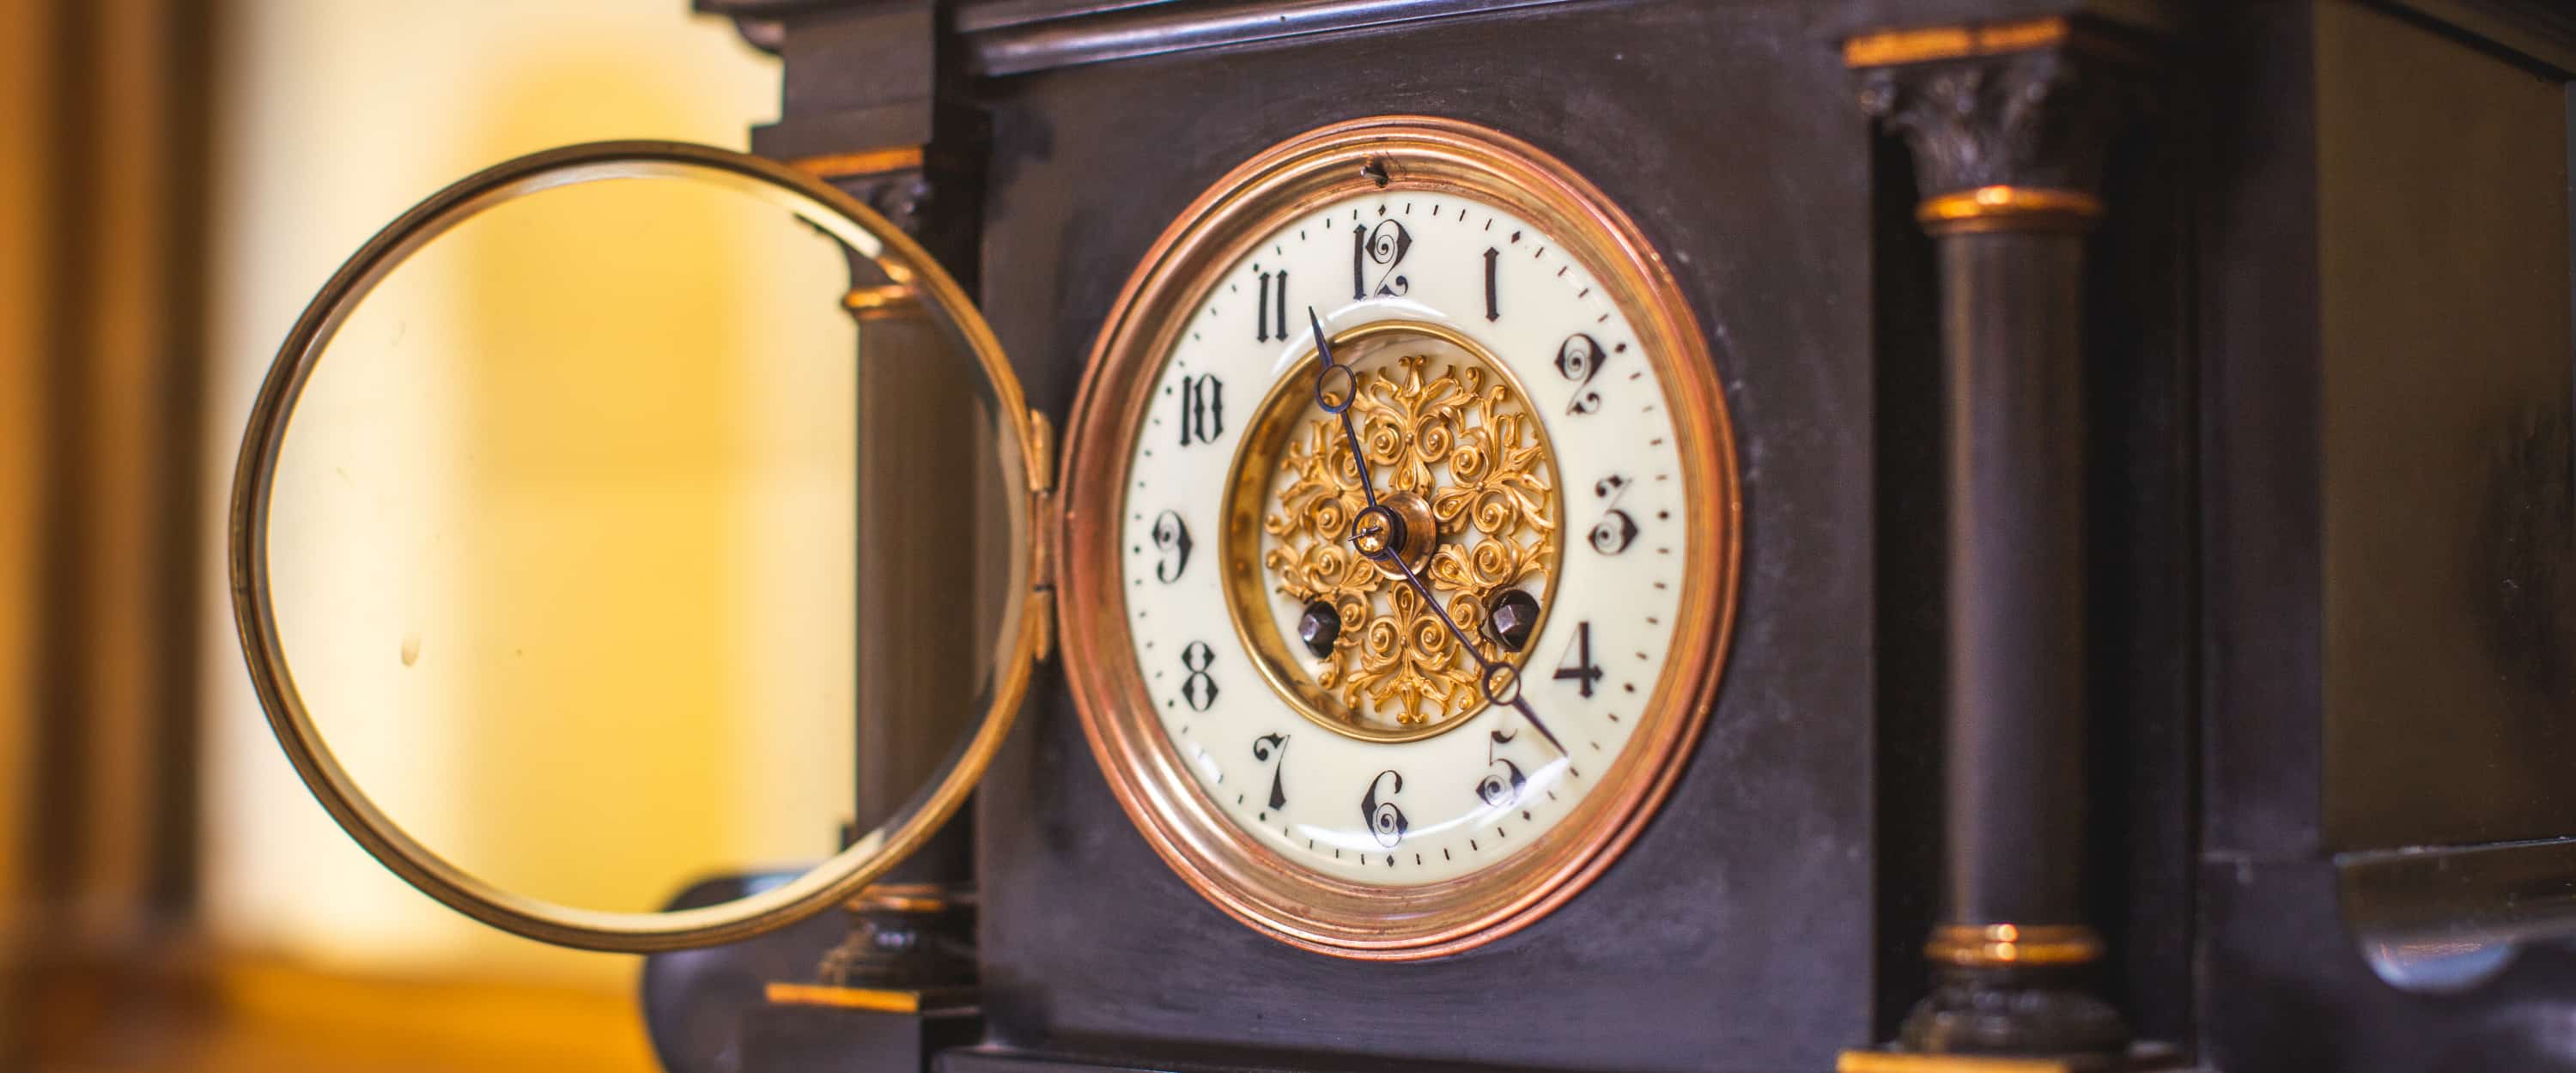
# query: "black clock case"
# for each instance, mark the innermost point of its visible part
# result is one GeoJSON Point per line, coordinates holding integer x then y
{"type": "Point", "coordinates": [2316, 429]}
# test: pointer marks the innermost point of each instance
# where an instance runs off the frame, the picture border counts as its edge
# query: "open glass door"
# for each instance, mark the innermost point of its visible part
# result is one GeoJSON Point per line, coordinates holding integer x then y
{"type": "Point", "coordinates": [537, 223]}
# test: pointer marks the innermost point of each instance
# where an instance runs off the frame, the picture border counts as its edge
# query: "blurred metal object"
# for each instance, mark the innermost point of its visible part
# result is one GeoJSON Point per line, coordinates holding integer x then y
{"type": "Point", "coordinates": [694, 1000]}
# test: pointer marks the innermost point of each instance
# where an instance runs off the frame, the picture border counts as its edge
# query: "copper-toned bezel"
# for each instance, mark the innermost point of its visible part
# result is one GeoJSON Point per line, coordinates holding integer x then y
{"type": "Point", "coordinates": [1228, 866]}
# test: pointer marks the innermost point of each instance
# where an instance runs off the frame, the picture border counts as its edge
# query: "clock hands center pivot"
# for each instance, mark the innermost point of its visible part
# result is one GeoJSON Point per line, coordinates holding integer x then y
{"type": "Point", "coordinates": [1382, 535]}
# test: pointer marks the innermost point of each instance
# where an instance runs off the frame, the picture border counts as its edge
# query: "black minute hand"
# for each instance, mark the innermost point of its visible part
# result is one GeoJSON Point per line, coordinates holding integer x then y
{"type": "Point", "coordinates": [1379, 535]}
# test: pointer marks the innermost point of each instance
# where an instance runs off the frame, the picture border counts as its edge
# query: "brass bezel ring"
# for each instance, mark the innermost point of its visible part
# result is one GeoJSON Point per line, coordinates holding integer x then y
{"type": "Point", "coordinates": [2008, 945]}
{"type": "Point", "coordinates": [837, 880]}
{"type": "Point", "coordinates": [1253, 883]}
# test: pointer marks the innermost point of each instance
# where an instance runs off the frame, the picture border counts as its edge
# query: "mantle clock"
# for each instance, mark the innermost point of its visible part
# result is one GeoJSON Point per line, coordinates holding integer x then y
{"type": "Point", "coordinates": [1651, 535]}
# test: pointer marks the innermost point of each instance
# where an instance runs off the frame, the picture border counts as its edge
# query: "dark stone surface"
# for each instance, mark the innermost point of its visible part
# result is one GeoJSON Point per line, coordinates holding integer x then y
{"type": "Point", "coordinates": [1737, 932]}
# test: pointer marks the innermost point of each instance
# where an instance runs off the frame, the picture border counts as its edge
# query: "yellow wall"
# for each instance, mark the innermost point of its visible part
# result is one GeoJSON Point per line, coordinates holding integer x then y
{"type": "Point", "coordinates": [573, 595]}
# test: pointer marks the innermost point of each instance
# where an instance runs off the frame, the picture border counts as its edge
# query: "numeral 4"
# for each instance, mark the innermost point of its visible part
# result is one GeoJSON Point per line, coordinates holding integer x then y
{"type": "Point", "coordinates": [1578, 666]}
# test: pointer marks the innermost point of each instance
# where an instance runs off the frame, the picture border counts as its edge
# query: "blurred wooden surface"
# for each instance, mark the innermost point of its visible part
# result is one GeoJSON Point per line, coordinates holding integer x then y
{"type": "Point", "coordinates": [240, 1015]}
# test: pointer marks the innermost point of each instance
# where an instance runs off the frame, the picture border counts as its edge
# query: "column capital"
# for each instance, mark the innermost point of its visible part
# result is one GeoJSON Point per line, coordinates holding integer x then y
{"type": "Point", "coordinates": [2004, 119]}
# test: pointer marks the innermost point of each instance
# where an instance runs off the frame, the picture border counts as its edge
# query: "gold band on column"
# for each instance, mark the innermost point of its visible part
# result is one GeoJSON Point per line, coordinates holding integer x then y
{"type": "Point", "coordinates": [911, 897]}
{"type": "Point", "coordinates": [2008, 208]}
{"type": "Point", "coordinates": [2008, 945]}
{"type": "Point", "coordinates": [883, 302]}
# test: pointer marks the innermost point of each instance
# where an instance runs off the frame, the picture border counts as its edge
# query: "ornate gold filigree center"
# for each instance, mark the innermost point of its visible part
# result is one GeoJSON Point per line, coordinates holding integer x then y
{"type": "Point", "coordinates": [1463, 439]}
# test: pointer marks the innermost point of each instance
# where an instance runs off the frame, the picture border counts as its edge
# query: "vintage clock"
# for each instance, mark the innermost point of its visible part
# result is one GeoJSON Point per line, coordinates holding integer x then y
{"type": "Point", "coordinates": [1646, 535]}
{"type": "Point", "coordinates": [1400, 541]}
{"type": "Point", "coordinates": [1354, 657]}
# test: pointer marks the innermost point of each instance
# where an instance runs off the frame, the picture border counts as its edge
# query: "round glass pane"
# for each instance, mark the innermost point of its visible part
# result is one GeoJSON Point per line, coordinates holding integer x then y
{"type": "Point", "coordinates": [587, 507]}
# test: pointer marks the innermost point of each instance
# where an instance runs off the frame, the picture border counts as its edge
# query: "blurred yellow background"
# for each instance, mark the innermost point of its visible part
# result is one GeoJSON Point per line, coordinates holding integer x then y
{"type": "Point", "coordinates": [562, 542]}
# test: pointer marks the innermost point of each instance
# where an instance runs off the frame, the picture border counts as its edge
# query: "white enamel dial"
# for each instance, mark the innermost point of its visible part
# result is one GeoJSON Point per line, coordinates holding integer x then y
{"type": "Point", "coordinates": [1363, 758]}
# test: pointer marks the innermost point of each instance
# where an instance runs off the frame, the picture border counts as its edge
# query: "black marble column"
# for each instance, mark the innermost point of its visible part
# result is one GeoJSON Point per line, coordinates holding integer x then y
{"type": "Point", "coordinates": [2007, 124]}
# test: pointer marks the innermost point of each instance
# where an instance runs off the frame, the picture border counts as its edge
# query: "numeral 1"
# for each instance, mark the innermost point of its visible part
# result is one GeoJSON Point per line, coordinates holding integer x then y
{"type": "Point", "coordinates": [1493, 257]}
{"type": "Point", "coordinates": [1271, 305]}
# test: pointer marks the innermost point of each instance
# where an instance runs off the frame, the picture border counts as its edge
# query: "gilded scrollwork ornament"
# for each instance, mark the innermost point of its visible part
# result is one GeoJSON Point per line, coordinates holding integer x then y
{"type": "Point", "coordinates": [1465, 442]}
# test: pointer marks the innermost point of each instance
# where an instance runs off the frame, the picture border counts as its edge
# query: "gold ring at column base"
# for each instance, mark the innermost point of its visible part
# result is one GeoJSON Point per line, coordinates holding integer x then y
{"type": "Point", "coordinates": [883, 302]}
{"type": "Point", "coordinates": [910, 898]}
{"type": "Point", "coordinates": [2009, 945]}
{"type": "Point", "coordinates": [2008, 208]}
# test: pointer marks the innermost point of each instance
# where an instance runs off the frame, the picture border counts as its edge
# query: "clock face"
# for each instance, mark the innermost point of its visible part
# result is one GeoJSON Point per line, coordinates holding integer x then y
{"type": "Point", "coordinates": [1505, 414]}
{"type": "Point", "coordinates": [1397, 577]}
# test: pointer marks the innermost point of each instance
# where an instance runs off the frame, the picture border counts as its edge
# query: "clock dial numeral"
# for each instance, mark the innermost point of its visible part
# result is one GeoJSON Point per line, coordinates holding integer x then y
{"type": "Point", "coordinates": [1202, 409]}
{"type": "Point", "coordinates": [1579, 359]}
{"type": "Point", "coordinates": [1385, 820]}
{"type": "Point", "coordinates": [1380, 249]}
{"type": "Point", "coordinates": [1501, 786]}
{"type": "Point", "coordinates": [1198, 690]}
{"type": "Point", "coordinates": [1274, 748]}
{"type": "Point", "coordinates": [1270, 311]}
{"type": "Point", "coordinates": [1493, 305]}
{"type": "Point", "coordinates": [1616, 530]}
{"type": "Point", "coordinates": [1172, 538]}
{"type": "Point", "coordinates": [1578, 666]}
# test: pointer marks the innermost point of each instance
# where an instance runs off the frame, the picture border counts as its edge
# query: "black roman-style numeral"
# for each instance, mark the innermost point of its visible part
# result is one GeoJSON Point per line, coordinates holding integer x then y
{"type": "Point", "coordinates": [1493, 299]}
{"type": "Point", "coordinates": [1386, 821]}
{"type": "Point", "coordinates": [1579, 667]}
{"type": "Point", "coordinates": [1274, 748]}
{"type": "Point", "coordinates": [1380, 249]}
{"type": "Point", "coordinates": [1172, 539]}
{"type": "Point", "coordinates": [1202, 409]}
{"type": "Point", "coordinates": [1198, 690]}
{"type": "Point", "coordinates": [1270, 313]}
{"type": "Point", "coordinates": [1579, 359]}
{"type": "Point", "coordinates": [1616, 530]}
{"type": "Point", "coordinates": [1501, 786]}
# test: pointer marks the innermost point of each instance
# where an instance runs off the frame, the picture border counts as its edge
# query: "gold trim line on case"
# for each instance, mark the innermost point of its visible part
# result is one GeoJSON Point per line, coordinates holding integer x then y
{"type": "Point", "coordinates": [1924, 44]}
{"type": "Point", "coordinates": [862, 162]}
{"type": "Point", "coordinates": [2004, 945]}
{"type": "Point", "coordinates": [1910, 1062]}
{"type": "Point", "coordinates": [2003, 207]}
{"type": "Point", "coordinates": [871, 999]}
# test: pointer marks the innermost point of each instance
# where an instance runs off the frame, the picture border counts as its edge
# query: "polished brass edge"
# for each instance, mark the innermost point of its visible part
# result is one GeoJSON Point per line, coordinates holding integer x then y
{"type": "Point", "coordinates": [1046, 531]}
{"type": "Point", "coordinates": [1926, 44]}
{"type": "Point", "coordinates": [2008, 945]}
{"type": "Point", "coordinates": [2004, 207]}
{"type": "Point", "coordinates": [1041, 452]}
{"type": "Point", "coordinates": [862, 162]}
{"type": "Point", "coordinates": [885, 301]}
{"type": "Point", "coordinates": [1914, 1062]}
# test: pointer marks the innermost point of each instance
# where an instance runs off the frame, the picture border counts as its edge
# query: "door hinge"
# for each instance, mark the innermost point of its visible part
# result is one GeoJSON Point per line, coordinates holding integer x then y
{"type": "Point", "coordinates": [1046, 529]}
